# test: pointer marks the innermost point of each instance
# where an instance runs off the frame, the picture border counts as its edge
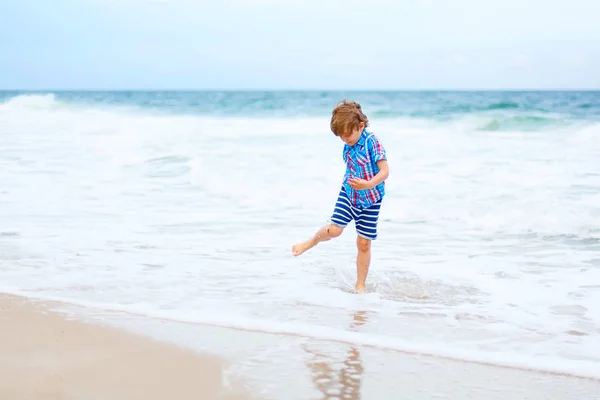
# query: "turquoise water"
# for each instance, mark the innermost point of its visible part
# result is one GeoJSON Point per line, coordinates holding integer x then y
{"type": "Point", "coordinates": [499, 110]}
{"type": "Point", "coordinates": [184, 206]}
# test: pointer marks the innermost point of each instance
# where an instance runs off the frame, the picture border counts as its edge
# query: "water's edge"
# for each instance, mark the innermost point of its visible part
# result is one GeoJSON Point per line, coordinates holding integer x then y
{"type": "Point", "coordinates": [120, 317]}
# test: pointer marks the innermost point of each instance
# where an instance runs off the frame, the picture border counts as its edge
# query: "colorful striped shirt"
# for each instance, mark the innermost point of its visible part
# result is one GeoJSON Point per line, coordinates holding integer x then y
{"type": "Point", "coordinates": [361, 162]}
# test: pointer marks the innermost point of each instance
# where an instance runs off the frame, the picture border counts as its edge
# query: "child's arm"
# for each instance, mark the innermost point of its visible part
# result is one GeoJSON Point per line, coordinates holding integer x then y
{"type": "Point", "coordinates": [382, 175]}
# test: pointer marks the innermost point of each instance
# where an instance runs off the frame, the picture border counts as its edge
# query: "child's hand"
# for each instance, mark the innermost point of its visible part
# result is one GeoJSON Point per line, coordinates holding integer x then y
{"type": "Point", "coordinates": [359, 184]}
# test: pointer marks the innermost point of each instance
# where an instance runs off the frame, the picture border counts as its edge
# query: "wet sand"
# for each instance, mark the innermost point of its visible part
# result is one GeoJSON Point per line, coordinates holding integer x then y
{"type": "Point", "coordinates": [296, 367]}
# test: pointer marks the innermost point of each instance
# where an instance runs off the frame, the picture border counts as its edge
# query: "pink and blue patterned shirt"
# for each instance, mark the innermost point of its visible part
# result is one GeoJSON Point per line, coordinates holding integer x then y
{"type": "Point", "coordinates": [361, 162]}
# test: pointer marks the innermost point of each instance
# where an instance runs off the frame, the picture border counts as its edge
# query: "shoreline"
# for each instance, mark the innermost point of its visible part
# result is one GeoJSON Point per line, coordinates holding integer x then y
{"type": "Point", "coordinates": [45, 355]}
{"type": "Point", "coordinates": [50, 354]}
{"type": "Point", "coordinates": [81, 309]}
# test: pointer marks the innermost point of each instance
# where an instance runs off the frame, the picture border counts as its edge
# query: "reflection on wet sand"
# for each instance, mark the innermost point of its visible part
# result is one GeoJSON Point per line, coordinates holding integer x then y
{"type": "Point", "coordinates": [347, 384]}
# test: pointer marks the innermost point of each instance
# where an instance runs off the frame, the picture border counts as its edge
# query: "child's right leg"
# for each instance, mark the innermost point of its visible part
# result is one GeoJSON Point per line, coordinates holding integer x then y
{"type": "Point", "coordinates": [342, 215]}
{"type": "Point", "coordinates": [324, 234]}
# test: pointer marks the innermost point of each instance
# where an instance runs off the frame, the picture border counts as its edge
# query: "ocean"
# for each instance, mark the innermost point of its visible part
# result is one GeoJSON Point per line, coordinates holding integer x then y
{"type": "Point", "coordinates": [183, 206]}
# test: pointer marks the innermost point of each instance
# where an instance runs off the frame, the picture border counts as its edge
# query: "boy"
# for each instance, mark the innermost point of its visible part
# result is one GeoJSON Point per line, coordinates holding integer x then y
{"type": "Point", "coordinates": [362, 189]}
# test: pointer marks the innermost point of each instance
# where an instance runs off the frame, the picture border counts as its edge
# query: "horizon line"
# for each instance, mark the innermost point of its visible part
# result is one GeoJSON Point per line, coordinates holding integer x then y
{"type": "Point", "coordinates": [297, 90]}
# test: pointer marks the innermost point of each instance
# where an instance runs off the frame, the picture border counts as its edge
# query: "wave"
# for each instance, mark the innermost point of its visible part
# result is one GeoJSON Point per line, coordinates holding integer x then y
{"type": "Point", "coordinates": [30, 102]}
{"type": "Point", "coordinates": [449, 111]}
{"type": "Point", "coordinates": [521, 123]}
{"type": "Point", "coordinates": [502, 106]}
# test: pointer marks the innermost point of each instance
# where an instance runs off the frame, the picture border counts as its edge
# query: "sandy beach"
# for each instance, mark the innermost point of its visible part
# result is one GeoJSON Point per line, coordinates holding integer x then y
{"type": "Point", "coordinates": [45, 356]}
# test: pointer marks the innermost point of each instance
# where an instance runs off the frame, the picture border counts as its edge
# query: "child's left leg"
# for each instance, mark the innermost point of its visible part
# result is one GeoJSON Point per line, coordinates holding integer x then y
{"type": "Point", "coordinates": [366, 228]}
{"type": "Point", "coordinates": [363, 261]}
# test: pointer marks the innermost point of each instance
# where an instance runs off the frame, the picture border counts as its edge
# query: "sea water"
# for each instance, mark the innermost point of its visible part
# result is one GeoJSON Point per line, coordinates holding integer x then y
{"type": "Point", "coordinates": [184, 206]}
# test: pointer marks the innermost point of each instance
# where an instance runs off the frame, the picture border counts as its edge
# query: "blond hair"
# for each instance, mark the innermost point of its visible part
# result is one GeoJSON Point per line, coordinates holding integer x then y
{"type": "Point", "coordinates": [346, 117]}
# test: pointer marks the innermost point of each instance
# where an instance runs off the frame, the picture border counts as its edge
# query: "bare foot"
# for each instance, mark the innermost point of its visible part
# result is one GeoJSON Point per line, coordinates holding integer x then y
{"type": "Point", "coordinates": [300, 248]}
{"type": "Point", "coordinates": [359, 288]}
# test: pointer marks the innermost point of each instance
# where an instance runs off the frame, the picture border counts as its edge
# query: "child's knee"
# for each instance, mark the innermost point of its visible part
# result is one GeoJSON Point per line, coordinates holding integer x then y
{"type": "Point", "coordinates": [334, 230]}
{"type": "Point", "coordinates": [363, 244]}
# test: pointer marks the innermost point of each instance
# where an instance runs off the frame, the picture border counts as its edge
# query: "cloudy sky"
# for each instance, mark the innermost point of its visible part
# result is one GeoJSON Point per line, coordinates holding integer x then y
{"type": "Point", "coordinates": [310, 44]}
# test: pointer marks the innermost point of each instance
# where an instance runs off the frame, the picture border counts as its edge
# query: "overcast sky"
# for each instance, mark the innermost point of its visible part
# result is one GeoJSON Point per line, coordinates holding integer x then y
{"type": "Point", "coordinates": [309, 44]}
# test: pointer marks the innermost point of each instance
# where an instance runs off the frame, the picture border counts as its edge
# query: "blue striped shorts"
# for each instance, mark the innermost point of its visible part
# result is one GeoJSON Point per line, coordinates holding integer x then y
{"type": "Point", "coordinates": [365, 219]}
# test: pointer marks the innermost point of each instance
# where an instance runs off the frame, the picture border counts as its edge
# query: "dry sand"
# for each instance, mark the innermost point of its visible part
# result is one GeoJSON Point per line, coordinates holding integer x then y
{"type": "Point", "coordinates": [44, 356]}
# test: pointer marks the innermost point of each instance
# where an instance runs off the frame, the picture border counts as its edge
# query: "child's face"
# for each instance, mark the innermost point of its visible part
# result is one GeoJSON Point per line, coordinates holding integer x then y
{"type": "Point", "coordinates": [352, 137]}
